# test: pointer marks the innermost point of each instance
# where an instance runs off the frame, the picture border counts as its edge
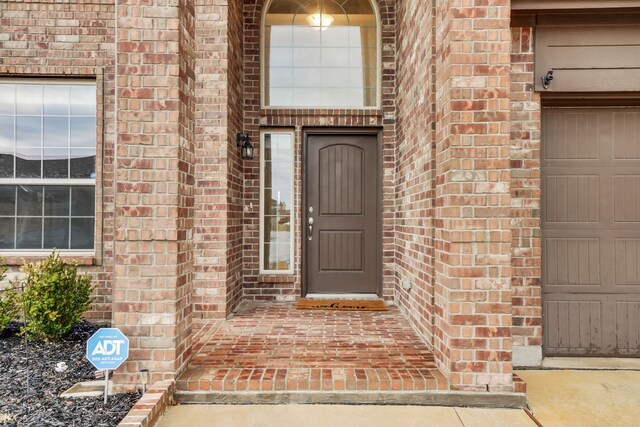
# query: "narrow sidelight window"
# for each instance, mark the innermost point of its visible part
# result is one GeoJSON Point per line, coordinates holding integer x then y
{"type": "Point", "coordinates": [47, 164]}
{"type": "Point", "coordinates": [276, 202]}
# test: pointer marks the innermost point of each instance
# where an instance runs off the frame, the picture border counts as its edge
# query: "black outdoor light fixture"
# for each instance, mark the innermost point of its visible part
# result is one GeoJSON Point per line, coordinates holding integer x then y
{"type": "Point", "coordinates": [546, 79]}
{"type": "Point", "coordinates": [246, 147]}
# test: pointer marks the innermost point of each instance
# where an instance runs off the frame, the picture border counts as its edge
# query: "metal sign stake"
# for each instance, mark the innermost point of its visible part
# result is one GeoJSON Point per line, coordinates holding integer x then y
{"type": "Point", "coordinates": [106, 385]}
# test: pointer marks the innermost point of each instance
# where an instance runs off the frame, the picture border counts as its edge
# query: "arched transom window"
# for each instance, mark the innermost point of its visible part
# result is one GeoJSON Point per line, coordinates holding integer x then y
{"type": "Point", "coordinates": [320, 53]}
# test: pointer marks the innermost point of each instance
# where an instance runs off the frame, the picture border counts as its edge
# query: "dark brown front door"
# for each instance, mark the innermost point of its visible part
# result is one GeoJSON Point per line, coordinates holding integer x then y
{"type": "Point", "coordinates": [341, 214]}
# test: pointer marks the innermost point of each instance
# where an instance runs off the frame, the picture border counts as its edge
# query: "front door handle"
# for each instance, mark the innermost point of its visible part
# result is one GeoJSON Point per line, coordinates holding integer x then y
{"type": "Point", "coordinates": [310, 236]}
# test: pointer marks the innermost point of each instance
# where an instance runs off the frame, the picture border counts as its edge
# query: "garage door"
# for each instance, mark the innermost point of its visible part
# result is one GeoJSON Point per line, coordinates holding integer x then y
{"type": "Point", "coordinates": [591, 231]}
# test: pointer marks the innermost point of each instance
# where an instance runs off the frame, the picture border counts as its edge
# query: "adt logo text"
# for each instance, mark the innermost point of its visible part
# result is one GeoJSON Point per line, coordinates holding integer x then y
{"type": "Point", "coordinates": [108, 348]}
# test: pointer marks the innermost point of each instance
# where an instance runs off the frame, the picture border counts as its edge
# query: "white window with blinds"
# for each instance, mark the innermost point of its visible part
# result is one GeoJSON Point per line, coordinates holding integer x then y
{"type": "Point", "coordinates": [47, 164]}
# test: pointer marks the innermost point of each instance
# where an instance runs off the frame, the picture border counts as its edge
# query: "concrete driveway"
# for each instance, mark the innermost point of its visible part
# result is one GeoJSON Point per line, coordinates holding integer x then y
{"type": "Point", "coordinates": [340, 416]}
{"type": "Point", "coordinates": [568, 398]}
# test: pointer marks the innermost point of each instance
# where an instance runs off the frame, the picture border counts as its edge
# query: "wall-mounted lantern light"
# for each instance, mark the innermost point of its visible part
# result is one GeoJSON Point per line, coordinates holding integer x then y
{"type": "Point", "coordinates": [244, 144]}
{"type": "Point", "coordinates": [546, 79]}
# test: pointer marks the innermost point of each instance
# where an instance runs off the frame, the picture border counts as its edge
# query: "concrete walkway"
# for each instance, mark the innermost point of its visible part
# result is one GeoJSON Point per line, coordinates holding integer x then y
{"type": "Point", "coordinates": [558, 398]}
{"type": "Point", "coordinates": [584, 398]}
{"type": "Point", "coordinates": [340, 416]}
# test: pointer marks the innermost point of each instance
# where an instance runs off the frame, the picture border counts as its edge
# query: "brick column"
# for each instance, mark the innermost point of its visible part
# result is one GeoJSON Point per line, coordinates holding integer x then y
{"type": "Point", "coordinates": [154, 185]}
{"type": "Point", "coordinates": [219, 168]}
{"type": "Point", "coordinates": [415, 165]}
{"type": "Point", "coordinates": [526, 246]}
{"type": "Point", "coordinates": [472, 235]}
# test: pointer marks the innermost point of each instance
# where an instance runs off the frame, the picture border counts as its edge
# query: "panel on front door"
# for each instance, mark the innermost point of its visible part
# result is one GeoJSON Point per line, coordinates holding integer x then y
{"type": "Point", "coordinates": [341, 221]}
{"type": "Point", "coordinates": [591, 231]}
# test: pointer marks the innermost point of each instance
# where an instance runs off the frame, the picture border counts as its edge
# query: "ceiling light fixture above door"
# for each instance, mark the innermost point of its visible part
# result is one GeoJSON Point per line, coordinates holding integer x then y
{"type": "Point", "coordinates": [320, 21]}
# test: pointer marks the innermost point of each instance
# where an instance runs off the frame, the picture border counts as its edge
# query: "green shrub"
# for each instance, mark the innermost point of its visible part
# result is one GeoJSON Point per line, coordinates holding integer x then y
{"type": "Point", "coordinates": [55, 296]}
{"type": "Point", "coordinates": [8, 300]}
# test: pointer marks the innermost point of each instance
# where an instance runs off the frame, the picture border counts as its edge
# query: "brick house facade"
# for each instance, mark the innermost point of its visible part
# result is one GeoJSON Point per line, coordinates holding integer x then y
{"type": "Point", "coordinates": [177, 218]}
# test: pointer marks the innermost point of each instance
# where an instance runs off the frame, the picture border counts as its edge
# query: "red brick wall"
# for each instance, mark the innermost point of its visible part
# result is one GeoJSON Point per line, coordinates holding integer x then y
{"type": "Point", "coordinates": [472, 217]}
{"type": "Point", "coordinates": [186, 180]}
{"type": "Point", "coordinates": [415, 164]}
{"type": "Point", "coordinates": [525, 193]}
{"type": "Point", "coordinates": [453, 186]}
{"type": "Point", "coordinates": [72, 38]}
{"type": "Point", "coordinates": [281, 287]}
{"type": "Point", "coordinates": [155, 180]}
{"type": "Point", "coordinates": [219, 181]}
{"type": "Point", "coordinates": [235, 178]}
{"type": "Point", "coordinates": [461, 166]}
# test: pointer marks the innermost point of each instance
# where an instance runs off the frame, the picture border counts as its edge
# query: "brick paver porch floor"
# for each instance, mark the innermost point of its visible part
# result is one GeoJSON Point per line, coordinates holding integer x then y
{"type": "Point", "coordinates": [274, 347]}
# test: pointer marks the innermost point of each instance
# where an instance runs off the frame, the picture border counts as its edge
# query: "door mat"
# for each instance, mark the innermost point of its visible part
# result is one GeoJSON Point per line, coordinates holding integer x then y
{"type": "Point", "coordinates": [341, 304]}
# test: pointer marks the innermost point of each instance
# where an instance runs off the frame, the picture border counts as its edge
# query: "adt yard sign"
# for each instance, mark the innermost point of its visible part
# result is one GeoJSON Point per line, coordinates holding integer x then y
{"type": "Point", "coordinates": [107, 349]}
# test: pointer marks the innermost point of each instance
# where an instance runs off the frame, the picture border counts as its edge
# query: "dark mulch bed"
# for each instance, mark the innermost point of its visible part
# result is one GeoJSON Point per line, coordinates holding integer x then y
{"type": "Point", "coordinates": [40, 403]}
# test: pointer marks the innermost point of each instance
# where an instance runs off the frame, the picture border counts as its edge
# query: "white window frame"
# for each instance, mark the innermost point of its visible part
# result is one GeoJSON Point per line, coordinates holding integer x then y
{"type": "Point", "coordinates": [291, 269]}
{"type": "Point", "coordinates": [54, 181]}
{"type": "Point", "coordinates": [263, 65]}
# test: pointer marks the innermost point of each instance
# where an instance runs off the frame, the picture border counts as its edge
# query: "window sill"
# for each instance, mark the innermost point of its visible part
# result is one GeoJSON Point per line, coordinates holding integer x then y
{"type": "Point", "coordinates": [276, 278]}
{"type": "Point", "coordinates": [327, 111]}
{"type": "Point", "coordinates": [19, 258]}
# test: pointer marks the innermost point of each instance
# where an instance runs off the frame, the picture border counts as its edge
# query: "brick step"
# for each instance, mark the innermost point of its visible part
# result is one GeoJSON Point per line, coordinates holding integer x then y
{"type": "Point", "coordinates": [274, 353]}
{"type": "Point", "coordinates": [310, 379]}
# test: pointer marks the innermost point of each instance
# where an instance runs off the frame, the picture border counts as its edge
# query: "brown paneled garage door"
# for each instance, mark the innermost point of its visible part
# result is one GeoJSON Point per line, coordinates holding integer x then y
{"type": "Point", "coordinates": [591, 231]}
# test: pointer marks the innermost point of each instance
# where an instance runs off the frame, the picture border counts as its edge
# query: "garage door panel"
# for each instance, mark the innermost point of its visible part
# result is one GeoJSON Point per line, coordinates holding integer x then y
{"type": "Point", "coordinates": [578, 325]}
{"type": "Point", "coordinates": [591, 231]}
{"type": "Point", "coordinates": [572, 198]}
{"type": "Point", "coordinates": [571, 135]}
{"type": "Point", "coordinates": [627, 262]}
{"type": "Point", "coordinates": [592, 325]}
{"type": "Point", "coordinates": [551, 334]}
{"type": "Point", "coordinates": [626, 200]}
{"type": "Point", "coordinates": [626, 135]}
{"type": "Point", "coordinates": [627, 327]}
{"type": "Point", "coordinates": [594, 261]}
{"type": "Point", "coordinates": [570, 261]}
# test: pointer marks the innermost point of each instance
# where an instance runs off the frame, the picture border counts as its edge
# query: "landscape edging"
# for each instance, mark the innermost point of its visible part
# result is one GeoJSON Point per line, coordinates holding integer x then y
{"type": "Point", "coordinates": [147, 411]}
